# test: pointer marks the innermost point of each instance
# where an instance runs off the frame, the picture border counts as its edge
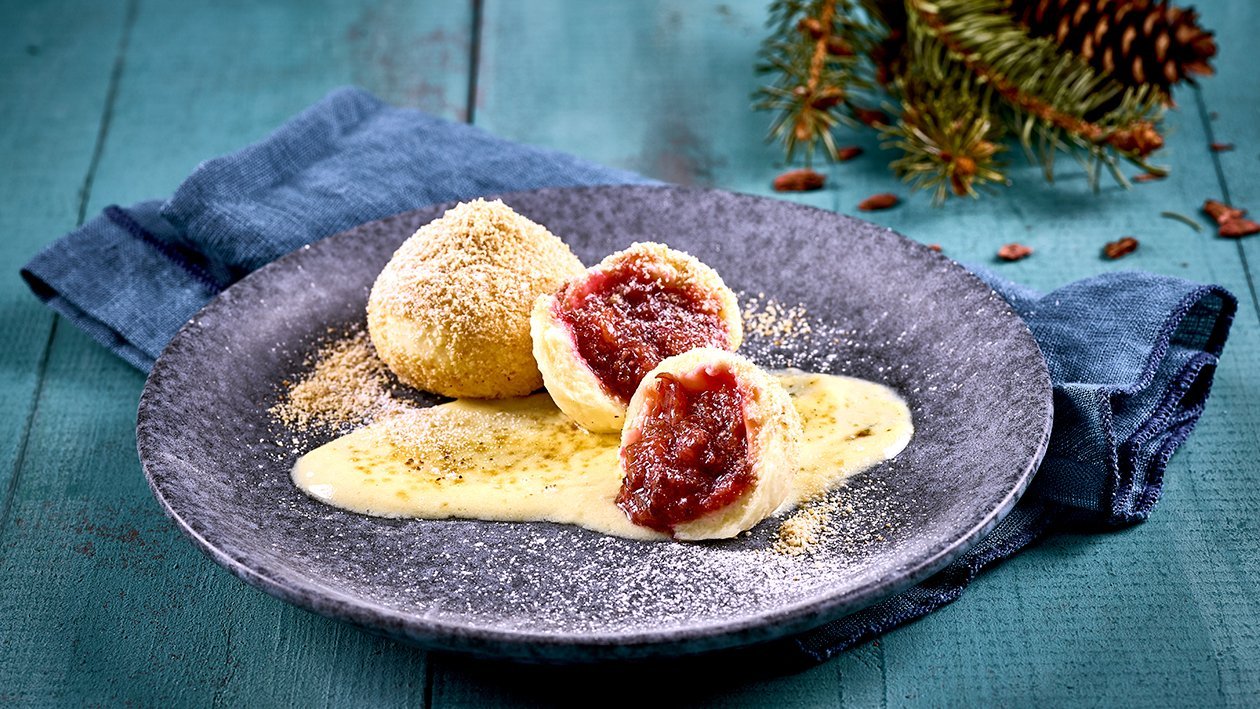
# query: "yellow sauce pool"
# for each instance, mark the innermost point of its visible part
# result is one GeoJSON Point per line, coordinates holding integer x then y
{"type": "Point", "coordinates": [524, 460]}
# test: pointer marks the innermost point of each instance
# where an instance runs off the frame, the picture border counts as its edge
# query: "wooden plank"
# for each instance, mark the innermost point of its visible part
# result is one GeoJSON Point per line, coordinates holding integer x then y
{"type": "Point", "coordinates": [59, 62]}
{"type": "Point", "coordinates": [665, 94]}
{"type": "Point", "coordinates": [1137, 617]}
{"type": "Point", "coordinates": [106, 601]}
{"type": "Point", "coordinates": [103, 600]}
{"type": "Point", "coordinates": [852, 680]}
{"type": "Point", "coordinates": [1160, 614]}
{"type": "Point", "coordinates": [208, 78]}
{"type": "Point", "coordinates": [676, 682]}
{"type": "Point", "coordinates": [55, 83]}
{"type": "Point", "coordinates": [1228, 103]}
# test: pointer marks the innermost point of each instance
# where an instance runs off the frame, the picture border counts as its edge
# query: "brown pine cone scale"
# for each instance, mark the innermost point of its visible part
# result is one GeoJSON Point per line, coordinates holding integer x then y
{"type": "Point", "coordinates": [1137, 42]}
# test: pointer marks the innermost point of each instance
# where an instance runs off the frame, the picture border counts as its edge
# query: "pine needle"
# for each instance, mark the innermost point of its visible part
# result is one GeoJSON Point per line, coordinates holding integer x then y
{"type": "Point", "coordinates": [1188, 221]}
{"type": "Point", "coordinates": [968, 78]}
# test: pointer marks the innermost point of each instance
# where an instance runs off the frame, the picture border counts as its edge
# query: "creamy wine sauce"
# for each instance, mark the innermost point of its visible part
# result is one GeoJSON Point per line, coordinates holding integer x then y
{"type": "Point", "coordinates": [524, 460]}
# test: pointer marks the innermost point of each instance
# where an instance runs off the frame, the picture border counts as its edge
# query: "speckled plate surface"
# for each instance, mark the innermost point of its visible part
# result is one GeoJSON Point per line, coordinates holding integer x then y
{"type": "Point", "coordinates": [879, 307]}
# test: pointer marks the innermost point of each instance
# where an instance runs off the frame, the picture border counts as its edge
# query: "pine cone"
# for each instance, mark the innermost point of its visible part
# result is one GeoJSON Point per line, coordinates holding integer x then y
{"type": "Point", "coordinates": [1135, 41]}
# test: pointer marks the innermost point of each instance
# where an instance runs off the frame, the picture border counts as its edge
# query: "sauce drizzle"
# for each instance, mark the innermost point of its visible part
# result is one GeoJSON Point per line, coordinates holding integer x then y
{"type": "Point", "coordinates": [524, 460]}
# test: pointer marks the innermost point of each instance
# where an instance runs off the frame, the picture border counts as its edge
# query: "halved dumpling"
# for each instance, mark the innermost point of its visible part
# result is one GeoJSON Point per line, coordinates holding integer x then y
{"type": "Point", "coordinates": [597, 336]}
{"type": "Point", "coordinates": [709, 447]}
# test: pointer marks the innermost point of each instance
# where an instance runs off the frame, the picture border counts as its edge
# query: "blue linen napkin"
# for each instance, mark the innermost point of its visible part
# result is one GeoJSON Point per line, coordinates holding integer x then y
{"type": "Point", "coordinates": [1131, 355]}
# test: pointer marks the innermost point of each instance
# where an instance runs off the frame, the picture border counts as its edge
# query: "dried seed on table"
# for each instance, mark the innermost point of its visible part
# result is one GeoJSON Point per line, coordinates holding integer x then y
{"type": "Point", "coordinates": [1014, 252]}
{"type": "Point", "coordinates": [875, 202]}
{"type": "Point", "coordinates": [1231, 219]}
{"type": "Point", "coordinates": [1222, 212]}
{"type": "Point", "coordinates": [1239, 227]}
{"type": "Point", "coordinates": [1221, 147]}
{"type": "Point", "coordinates": [935, 247]}
{"type": "Point", "coordinates": [1148, 177]}
{"type": "Point", "coordinates": [848, 152]}
{"type": "Point", "coordinates": [1124, 246]}
{"type": "Point", "coordinates": [803, 180]}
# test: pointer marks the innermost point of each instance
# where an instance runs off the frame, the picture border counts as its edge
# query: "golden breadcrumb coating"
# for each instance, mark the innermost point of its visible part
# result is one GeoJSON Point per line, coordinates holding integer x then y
{"type": "Point", "coordinates": [450, 312]}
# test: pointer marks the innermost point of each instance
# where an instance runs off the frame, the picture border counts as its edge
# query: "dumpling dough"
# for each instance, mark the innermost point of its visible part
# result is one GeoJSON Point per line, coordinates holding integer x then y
{"type": "Point", "coordinates": [600, 333]}
{"type": "Point", "coordinates": [710, 446]}
{"type": "Point", "coordinates": [450, 312]}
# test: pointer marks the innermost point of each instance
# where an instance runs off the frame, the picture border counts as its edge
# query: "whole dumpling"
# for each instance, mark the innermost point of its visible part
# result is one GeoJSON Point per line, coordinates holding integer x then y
{"type": "Point", "coordinates": [450, 312]}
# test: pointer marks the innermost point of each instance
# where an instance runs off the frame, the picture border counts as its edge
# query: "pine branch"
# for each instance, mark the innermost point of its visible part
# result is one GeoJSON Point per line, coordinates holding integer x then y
{"type": "Point", "coordinates": [821, 30]}
{"type": "Point", "coordinates": [1062, 96]}
{"type": "Point", "coordinates": [971, 74]}
{"type": "Point", "coordinates": [816, 49]}
{"type": "Point", "coordinates": [946, 132]}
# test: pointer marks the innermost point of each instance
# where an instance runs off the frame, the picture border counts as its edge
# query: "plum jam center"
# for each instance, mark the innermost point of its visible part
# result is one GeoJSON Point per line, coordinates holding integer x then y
{"type": "Point", "coordinates": [626, 319]}
{"type": "Point", "coordinates": [689, 456]}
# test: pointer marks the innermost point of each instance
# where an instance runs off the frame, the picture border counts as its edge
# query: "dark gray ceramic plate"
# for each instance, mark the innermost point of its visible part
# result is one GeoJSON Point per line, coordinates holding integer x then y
{"type": "Point", "coordinates": [880, 307]}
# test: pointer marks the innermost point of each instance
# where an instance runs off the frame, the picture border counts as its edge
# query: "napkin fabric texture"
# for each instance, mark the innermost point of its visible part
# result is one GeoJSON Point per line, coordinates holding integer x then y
{"type": "Point", "coordinates": [1131, 355]}
{"type": "Point", "coordinates": [132, 277]}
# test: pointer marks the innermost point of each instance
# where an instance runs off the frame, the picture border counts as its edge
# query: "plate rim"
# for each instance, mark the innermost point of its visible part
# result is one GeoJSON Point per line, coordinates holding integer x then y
{"type": "Point", "coordinates": [533, 644]}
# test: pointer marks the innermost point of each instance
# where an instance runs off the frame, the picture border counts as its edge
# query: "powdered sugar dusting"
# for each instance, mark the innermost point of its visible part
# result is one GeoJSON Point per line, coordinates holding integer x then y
{"type": "Point", "coordinates": [781, 561]}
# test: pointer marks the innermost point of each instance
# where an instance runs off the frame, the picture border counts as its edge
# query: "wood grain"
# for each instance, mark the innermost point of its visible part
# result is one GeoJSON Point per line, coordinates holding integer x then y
{"type": "Point", "coordinates": [47, 140]}
{"type": "Point", "coordinates": [1227, 106]}
{"type": "Point", "coordinates": [661, 88]}
{"type": "Point", "coordinates": [207, 78]}
{"type": "Point", "coordinates": [103, 602]}
{"type": "Point", "coordinates": [1125, 619]}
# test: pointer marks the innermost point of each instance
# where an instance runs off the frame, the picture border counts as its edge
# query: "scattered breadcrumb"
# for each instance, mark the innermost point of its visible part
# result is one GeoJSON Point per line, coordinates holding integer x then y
{"type": "Point", "coordinates": [845, 523]}
{"type": "Point", "coordinates": [804, 531]}
{"type": "Point", "coordinates": [346, 386]}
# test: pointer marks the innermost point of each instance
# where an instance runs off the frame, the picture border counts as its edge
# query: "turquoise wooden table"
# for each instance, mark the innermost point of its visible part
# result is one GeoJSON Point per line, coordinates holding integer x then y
{"type": "Point", "coordinates": [104, 602]}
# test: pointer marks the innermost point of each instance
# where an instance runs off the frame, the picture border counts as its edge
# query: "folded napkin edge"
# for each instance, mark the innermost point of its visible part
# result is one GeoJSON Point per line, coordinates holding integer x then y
{"type": "Point", "coordinates": [1211, 342]}
{"type": "Point", "coordinates": [126, 291]}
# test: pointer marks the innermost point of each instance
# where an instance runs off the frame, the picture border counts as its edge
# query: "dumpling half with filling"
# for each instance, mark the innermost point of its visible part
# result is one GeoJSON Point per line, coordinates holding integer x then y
{"type": "Point", "coordinates": [600, 333]}
{"type": "Point", "coordinates": [709, 446]}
